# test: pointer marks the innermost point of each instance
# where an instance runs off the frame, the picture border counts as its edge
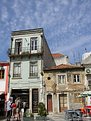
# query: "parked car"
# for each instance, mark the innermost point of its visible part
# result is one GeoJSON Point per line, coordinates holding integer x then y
{"type": "Point", "coordinates": [73, 115]}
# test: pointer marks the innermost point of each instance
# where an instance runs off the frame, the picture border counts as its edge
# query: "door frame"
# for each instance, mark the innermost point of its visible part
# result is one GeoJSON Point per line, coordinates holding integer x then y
{"type": "Point", "coordinates": [35, 100]}
{"type": "Point", "coordinates": [51, 103]}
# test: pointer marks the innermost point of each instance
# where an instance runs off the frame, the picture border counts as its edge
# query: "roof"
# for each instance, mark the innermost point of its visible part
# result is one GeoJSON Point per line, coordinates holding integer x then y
{"type": "Point", "coordinates": [29, 31]}
{"type": "Point", "coordinates": [4, 63]}
{"type": "Point", "coordinates": [64, 66]}
{"type": "Point", "coordinates": [57, 55]}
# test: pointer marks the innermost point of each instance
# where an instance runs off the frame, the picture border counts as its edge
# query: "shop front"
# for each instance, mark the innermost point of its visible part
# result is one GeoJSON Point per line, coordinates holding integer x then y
{"type": "Point", "coordinates": [2, 104]}
{"type": "Point", "coordinates": [22, 93]}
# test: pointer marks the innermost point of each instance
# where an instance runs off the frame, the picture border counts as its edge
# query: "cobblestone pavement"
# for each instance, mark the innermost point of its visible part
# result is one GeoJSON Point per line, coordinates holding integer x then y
{"type": "Point", "coordinates": [57, 117]}
{"type": "Point", "coordinates": [51, 117]}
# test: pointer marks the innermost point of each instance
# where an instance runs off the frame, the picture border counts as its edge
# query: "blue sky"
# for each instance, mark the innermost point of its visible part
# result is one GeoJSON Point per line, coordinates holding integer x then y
{"type": "Point", "coordinates": [66, 24]}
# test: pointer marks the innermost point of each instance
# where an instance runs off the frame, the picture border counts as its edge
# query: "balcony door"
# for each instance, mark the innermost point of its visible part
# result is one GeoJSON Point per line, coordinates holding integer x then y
{"type": "Point", "coordinates": [34, 44]}
{"type": "Point", "coordinates": [18, 46]}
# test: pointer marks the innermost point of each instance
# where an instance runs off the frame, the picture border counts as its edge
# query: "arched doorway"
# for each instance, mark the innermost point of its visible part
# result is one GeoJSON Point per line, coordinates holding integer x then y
{"type": "Point", "coordinates": [49, 103]}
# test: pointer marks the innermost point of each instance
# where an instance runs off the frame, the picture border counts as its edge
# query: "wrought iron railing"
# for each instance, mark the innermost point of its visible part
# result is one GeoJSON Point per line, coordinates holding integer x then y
{"type": "Point", "coordinates": [24, 50]}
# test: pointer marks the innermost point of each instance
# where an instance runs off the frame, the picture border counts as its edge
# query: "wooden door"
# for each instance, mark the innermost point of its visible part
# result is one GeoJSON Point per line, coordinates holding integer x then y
{"type": "Point", "coordinates": [35, 100]}
{"type": "Point", "coordinates": [62, 102]}
{"type": "Point", "coordinates": [49, 103]}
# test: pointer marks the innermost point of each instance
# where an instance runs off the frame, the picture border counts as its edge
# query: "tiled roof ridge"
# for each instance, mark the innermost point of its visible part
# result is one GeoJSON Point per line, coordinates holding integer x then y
{"type": "Point", "coordinates": [56, 55]}
{"type": "Point", "coordinates": [64, 66]}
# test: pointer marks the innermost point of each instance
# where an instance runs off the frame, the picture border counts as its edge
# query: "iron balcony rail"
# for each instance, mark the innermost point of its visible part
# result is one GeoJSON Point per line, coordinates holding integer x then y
{"type": "Point", "coordinates": [24, 51]}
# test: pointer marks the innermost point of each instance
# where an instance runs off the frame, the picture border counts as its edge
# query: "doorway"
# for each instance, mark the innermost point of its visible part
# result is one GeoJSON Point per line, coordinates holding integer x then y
{"type": "Point", "coordinates": [62, 102]}
{"type": "Point", "coordinates": [22, 93]}
{"type": "Point", "coordinates": [35, 100]}
{"type": "Point", "coordinates": [49, 103]}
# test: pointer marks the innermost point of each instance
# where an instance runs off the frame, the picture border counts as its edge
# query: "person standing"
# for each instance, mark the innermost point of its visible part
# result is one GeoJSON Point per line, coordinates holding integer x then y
{"type": "Point", "coordinates": [9, 109]}
{"type": "Point", "coordinates": [13, 106]}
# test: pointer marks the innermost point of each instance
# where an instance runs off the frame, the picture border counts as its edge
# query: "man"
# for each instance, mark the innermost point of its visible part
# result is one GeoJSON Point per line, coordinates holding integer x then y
{"type": "Point", "coordinates": [9, 109]}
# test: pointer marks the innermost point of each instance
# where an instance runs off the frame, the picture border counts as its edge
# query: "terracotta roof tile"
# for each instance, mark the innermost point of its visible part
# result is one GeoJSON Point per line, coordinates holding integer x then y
{"type": "Point", "coordinates": [64, 66]}
{"type": "Point", "coordinates": [57, 55]}
{"type": "Point", "coordinates": [4, 63]}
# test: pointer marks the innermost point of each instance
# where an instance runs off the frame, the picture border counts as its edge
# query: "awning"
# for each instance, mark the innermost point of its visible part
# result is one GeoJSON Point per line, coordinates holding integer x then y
{"type": "Point", "coordinates": [85, 94]}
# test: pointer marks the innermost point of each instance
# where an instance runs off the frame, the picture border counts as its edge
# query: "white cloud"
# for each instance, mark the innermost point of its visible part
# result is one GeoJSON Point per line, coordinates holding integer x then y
{"type": "Point", "coordinates": [77, 43]}
{"type": "Point", "coordinates": [63, 20]}
{"type": "Point", "coordinates": [4, 14]}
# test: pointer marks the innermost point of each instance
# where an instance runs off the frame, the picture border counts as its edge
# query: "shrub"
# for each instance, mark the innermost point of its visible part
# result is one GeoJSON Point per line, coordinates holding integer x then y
{"type": "Point", "coordinates": [28, 114]}
{"type": "Point", "coordinates": [42, 110]}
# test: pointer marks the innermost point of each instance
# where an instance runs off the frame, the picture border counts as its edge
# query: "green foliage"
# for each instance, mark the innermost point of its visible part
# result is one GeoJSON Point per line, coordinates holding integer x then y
{"type": "Point", "coordinates": [28, 114]}
{"type": "Point", "coordinates": [42, 110]}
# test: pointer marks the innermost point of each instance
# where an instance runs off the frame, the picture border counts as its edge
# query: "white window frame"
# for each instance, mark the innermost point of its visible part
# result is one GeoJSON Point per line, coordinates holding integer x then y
{"type": "Point", "coordinates": [33, 69]}
{"type": "Point", "coordinates": [18, 48]}
{"type": "Point", "coordinates": [34, 43]}
{"type": "Point", "coordinates": [76, 78]}
{"type": "Point", "coordinates": [17, 70]}
{"type": "Point", "coordinates": [62, 82]}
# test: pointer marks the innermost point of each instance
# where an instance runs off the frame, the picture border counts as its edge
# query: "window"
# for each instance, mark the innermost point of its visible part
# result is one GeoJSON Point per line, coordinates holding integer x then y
{"type": "Point", "coordinates": [33, 69]}
{"type": "Point", "coordinates": [89, 82]}
{"type": "Point", "coordinates": [17, 70]}
{"type": "Point", "coordinates": [76, 78]}
{"type": "Point", "coordinates": [1, 74]}
{"type": "Point", "coordinates": [61, 79]}
{"type": "Point", "coordinates": [18, 46]}
{"type": "Point", "coordinates": [34, 42]}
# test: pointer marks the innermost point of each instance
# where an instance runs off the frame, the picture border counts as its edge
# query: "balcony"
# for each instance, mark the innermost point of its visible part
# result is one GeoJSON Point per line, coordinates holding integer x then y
{"type": "Point", "coordinates": [24, 51]}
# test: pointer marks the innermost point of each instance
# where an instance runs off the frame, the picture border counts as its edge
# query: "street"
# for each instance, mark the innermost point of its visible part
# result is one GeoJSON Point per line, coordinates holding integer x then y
{"type": "Point", "coordinates": [57, 117]}
{"type": "Point", "coordinates": [51, 117]}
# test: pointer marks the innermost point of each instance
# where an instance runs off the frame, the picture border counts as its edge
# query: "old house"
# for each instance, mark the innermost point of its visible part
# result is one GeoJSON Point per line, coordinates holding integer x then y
{"type": "Point", "coordinates": [63, 84]}
{"type": "Point", "coordinates": [29, 55]}
{"type": "Point", "coordinates": [4, 80]}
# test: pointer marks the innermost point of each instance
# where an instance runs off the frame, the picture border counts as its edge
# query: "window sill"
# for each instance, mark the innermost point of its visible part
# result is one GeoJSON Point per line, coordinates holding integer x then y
{"type": "Point", "coordinates": [77, 83]}
{"type": "Point", "coordinates": [16, 78]}
{"type": "Point", "coordinates": [33, 77]}
{"type": "Point", "coordinates": [61, 84]}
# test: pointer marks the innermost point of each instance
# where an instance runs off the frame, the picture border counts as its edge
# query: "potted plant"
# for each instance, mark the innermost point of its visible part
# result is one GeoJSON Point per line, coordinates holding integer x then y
{"type": "Point", "coordinates": [42, 112]}
{"type": "Point", "coordinates": [28, 116]}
